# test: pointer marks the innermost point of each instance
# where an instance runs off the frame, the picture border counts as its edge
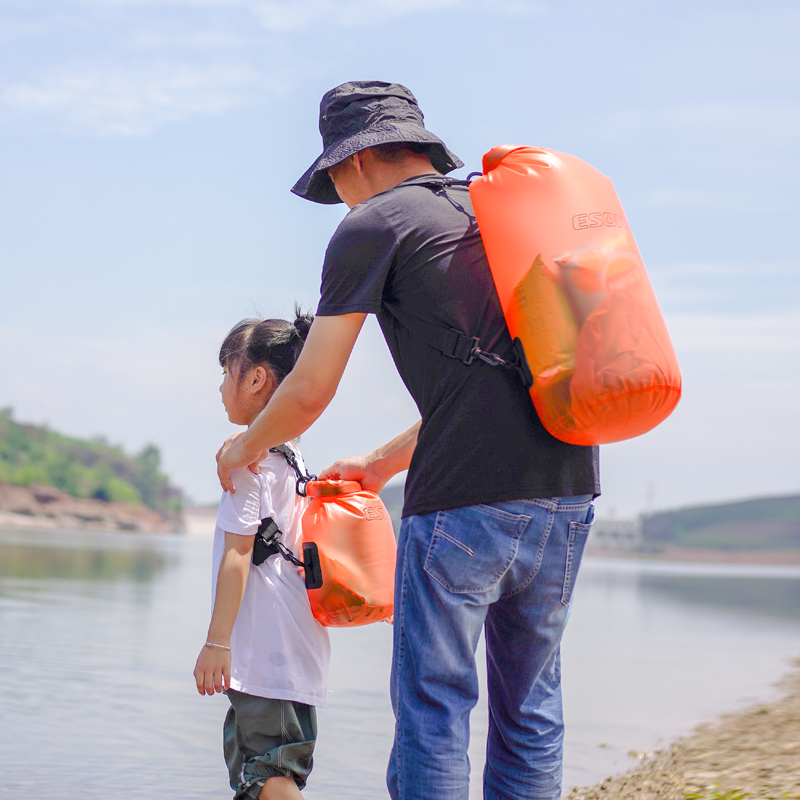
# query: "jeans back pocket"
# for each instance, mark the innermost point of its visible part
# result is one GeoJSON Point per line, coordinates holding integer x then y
{"type": "Point", "coordinates": [472, 547]}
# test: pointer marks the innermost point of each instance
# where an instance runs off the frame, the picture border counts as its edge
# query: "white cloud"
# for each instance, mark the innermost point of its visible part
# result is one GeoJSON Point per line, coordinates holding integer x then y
{"type": "Point", "coordinates": [207, 41]}
{"type": "Point", "coordinates": [722, 126]}
{"type": "Point", "coordinates": [774, 124]}
{"type": "Point", "coordinates": [133, 101]}
{"type": "Point", "coordinates": [783, 271]}
{"type": "Point", "coordinates": [126, 67]}
{"type": "Point", "coordinates": [728, 290]}
{"type": "Point", "coordinates": [746, 334]}
{"type": "Point", "coordinates": [289, 15]}
{"type": "Point", "coordinates": [676, 196]}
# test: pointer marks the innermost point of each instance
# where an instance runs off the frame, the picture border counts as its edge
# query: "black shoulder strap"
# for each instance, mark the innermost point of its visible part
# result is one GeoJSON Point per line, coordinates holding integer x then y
{"type": "Point", "coordinates": [435, 181]}
{"type": "Point", "coordinates": [452, 342]}
{"type": "Point", "coordinates": [268, 541]}
{"type": "Point", "coordinates": [291, 459]}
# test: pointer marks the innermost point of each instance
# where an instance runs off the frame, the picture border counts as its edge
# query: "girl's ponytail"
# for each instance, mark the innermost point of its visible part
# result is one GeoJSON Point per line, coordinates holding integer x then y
{"type": "Point", "coordinates": [302, 322]}
{"type": "Point", "coordinates": [272, 343]}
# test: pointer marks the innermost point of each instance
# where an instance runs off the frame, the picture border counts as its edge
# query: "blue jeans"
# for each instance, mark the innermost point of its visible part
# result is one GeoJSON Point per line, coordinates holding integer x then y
{"type": "Point", "coordinates": [509, 567]}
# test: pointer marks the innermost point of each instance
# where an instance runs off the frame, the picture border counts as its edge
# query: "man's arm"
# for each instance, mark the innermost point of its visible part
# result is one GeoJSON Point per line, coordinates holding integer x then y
{"type": "Point", "coordinates": [374, 470]}
{"type": "Point", "coordinates": [302, 397]}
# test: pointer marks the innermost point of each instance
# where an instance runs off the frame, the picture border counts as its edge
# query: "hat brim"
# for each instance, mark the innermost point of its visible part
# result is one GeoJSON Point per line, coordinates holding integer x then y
{"type": "Point", "coordinates": [316, 185]}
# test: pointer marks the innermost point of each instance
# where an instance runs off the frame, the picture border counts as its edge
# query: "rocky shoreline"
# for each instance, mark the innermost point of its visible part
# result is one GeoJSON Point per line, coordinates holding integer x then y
{"type": "Point", "coordinates": [46, 507]}
{"type": "Point", "coordinates": [754, 753]}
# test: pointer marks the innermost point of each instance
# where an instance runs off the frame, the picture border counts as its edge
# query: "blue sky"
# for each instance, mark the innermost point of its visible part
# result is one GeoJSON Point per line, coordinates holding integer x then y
{"type": "Point", "coordinates": [147, 148]}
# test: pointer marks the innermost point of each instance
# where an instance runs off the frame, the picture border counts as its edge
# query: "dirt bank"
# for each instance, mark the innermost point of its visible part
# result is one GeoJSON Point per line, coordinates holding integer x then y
{"type": "Point", "coordinates": [46, 507]}
{"type": "Point", "coordinates": [753, 753]}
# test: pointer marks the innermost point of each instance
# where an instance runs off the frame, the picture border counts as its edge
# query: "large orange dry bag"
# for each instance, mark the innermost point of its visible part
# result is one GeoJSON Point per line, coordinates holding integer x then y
{"type": "Point", "coordinates": [356, 547]}
{"type": "Point", "coordinates": [575, 292]}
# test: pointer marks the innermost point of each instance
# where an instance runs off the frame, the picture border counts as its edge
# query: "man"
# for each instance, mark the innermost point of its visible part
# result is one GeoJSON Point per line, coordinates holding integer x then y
{"type": "Point", "coordinates": [496, 510]}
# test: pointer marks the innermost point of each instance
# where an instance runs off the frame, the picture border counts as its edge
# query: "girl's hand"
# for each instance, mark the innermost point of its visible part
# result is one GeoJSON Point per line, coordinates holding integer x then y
{"type": "Point", "coordinates": [212, 672]}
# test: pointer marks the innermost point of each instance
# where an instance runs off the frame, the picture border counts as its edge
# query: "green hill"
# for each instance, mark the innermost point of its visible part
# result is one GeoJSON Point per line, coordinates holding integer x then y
{"type": "Point", "coordinates": [30, 454]}
{"type": "Point", "coordinates": [766, 523]}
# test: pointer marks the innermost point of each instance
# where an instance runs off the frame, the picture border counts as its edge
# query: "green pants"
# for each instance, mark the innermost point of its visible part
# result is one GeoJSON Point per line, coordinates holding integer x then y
{"type": "Point", "coordinates": [264, 738]}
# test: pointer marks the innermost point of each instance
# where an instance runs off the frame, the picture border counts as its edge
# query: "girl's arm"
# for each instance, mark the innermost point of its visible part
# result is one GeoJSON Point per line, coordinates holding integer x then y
{"type": "Point", "coordinates": [374, 470]}
{"type": "Point", "coordinates": [212, 672]}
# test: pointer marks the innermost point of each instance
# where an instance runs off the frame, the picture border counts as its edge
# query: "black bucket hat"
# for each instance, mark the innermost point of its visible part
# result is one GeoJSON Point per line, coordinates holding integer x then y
{"type": "Point", "coordinates": [361, 114]}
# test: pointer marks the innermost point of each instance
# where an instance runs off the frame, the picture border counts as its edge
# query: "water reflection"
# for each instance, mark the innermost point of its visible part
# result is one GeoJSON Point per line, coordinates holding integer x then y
{"type": "Point", "coordinates": [778, 598]}
{"type": "Point", "coordinates": [740, 589]}
{"type": "Point", "coordinates": [99, 632]}
{"type": "Point", "coordinates": [53, 561]}
{"type": "Point", "coordinates": [654, 648]}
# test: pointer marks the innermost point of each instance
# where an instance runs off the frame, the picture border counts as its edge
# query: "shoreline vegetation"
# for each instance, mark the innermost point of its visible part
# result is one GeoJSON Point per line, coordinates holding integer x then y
{"type": "Point", "coordinates": [752, 753]}
{"type": "Point", "coordinates": [38, 506]}
{"type": "Point", "coordinates": [54, 481]}
{"type": "Point", "coordinates": [46, 507]}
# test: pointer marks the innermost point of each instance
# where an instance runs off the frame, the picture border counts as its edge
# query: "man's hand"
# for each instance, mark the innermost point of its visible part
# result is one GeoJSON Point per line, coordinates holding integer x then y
{"type": "Point", "coordinates": [358, 468]}
{"type": "Point", "coordinates": [233, 454]}
{"type": "Point", "coordinates": [374, 470]}
{"type": "Point", "coordinates": [212, 673]}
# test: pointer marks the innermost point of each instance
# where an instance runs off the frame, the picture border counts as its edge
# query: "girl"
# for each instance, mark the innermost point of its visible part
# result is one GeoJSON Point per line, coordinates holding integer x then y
{"type": "Point", "coordinates": [264, 648]}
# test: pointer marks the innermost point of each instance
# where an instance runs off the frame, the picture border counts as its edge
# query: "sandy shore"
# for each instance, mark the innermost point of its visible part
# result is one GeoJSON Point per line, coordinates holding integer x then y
{"type": "Point", "coordinates": [753, 753]}
{"type": "Point", "coordinates": [199, 520]}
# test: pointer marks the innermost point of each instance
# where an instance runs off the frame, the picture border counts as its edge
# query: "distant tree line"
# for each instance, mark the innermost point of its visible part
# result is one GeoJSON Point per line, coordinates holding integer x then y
{"type": "Point", "coordinates": [761, 523]}
{"type": "Point", "coordinates": [91, 469]}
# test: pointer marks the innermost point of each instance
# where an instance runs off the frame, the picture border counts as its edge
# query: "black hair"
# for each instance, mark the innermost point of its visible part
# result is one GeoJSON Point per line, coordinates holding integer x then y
{"type": "Point", "coordinates": [393, 152]}
{"type": "Point", "coordinates": [271, 343]}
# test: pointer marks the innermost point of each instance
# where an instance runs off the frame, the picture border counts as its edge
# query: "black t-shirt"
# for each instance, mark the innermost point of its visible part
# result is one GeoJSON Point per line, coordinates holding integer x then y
{"type": "Point", "coordinates": [418, 249]}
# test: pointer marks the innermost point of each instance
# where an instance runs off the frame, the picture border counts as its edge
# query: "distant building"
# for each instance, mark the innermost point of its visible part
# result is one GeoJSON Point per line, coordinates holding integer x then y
{"type": "Point", "coordinates": [616, 534]}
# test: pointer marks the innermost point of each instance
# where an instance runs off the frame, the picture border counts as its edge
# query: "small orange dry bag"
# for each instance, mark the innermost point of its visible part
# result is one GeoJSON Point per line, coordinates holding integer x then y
{"type": "Point", "coordinates": [575, 292]}
{"type": "Point", "coordinates": [356, 548]}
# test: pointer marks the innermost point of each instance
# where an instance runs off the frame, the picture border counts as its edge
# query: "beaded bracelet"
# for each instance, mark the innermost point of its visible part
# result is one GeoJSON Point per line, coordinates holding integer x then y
{"type": "Point", "coordinates": [211, 644]}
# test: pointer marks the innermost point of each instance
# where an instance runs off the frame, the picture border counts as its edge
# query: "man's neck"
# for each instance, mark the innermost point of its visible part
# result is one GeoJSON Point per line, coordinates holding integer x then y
{"type": "Point", "coordinates": [386, 175]}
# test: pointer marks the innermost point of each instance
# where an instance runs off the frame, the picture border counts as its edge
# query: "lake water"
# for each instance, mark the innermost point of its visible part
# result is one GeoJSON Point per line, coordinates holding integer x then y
{"type": "Point", "coordinates": [99, 634]}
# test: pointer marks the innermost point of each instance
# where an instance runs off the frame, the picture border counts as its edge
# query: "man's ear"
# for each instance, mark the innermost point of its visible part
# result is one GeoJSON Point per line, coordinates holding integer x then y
{"type": "Point", "coordinates": [358, 160]}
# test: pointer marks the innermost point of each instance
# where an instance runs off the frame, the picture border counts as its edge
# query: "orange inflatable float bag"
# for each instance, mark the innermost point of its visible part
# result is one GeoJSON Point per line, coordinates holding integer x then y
{"type": "Point", "coordinates": [349, 549]}
{"type": "Point", "coordinates": [351, 532]}
{"type": "Point", "coordinates": [575, 293]}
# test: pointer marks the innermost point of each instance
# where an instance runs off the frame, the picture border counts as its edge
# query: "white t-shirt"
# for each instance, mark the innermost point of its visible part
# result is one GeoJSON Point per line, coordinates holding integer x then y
{"type": "Point", "coordinates": [278, 649]}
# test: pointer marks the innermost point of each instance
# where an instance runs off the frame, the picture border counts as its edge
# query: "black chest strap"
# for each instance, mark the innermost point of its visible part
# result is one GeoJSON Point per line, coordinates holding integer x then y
{"type": "Point", "coordinates": [456, 344]}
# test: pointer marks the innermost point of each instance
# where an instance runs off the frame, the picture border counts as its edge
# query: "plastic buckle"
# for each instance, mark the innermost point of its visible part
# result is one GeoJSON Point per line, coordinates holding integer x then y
{"type": "Point", "coordinates": [301, 483]}
{"type": "Point", "coordinates": [474, 351]}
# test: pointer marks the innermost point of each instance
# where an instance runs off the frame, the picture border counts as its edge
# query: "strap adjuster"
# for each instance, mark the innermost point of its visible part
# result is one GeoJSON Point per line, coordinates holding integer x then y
{"type": "Point", "coordinates": [462, 347]}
